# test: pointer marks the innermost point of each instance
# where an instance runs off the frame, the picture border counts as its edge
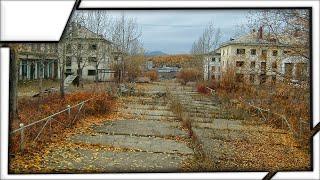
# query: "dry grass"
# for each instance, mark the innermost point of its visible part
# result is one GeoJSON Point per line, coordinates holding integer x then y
{"type": "Point", "coordinates": [33, 109]}
{"type": "Point", "coordinates": [153, 75]}
{"type": "Point", "coordinates": [29, 88]}
{"type": "Point", "coordinates": [281, 99]}
{"type": "Point", "coordinates": [189, 75]}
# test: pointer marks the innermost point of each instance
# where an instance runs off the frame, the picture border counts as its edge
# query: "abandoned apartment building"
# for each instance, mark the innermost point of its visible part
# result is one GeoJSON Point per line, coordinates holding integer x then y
{"type": "Point", "coordinates": [257, 59]}
{"type": "Point", "coordinates": [81, 48]}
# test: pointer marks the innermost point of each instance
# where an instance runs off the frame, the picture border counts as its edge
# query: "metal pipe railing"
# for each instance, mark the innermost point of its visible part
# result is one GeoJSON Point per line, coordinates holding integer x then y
{"type": "Point", "coordinates": [47, 120]}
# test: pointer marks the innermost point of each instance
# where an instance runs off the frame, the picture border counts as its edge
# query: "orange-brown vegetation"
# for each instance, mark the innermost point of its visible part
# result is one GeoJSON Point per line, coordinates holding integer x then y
{"type": "Point", "coordinates": [281, 102]}
{"type": "Point", "coordinates": [182, 60]}
{"type": "Point", "coordinates": [188, 75]}
{"type": "Point", "coordinates": [152, 74]}
{"type": "Point", "coordinates": [34, 109]}
{"type": "Point", "coordinates": [202, 88]}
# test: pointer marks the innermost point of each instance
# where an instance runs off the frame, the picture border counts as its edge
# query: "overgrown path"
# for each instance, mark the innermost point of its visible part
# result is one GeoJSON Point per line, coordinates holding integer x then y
{"type": "Point", "coordinates": [232, 144]}
{"type": "Point", "coordinates": [144, 136]}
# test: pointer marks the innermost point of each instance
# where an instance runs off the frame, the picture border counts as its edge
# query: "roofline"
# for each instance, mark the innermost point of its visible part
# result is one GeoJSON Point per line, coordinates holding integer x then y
{"type": "Point", "coordinates": [252, 44]}
{"type": "Point", "coordinates": [99, 35]}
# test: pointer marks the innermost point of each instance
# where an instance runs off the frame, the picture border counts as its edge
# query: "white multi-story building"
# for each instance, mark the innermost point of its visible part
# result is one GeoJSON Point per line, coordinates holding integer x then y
{"type": "Point", "coordinates": [87, 52]}
{"type": "Point", "coordinates": [212, 65]}
{"type": "Point", "coordinates": [80, 49]}
{"type": "Point", "coordinates": [258, 59]}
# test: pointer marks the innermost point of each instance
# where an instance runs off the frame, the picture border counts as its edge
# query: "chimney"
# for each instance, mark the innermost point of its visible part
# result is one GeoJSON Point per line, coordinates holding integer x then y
{"type": "Point", "coordinates": [260, 33]}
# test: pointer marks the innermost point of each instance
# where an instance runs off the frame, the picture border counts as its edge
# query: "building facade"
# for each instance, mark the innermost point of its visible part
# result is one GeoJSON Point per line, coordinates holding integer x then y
{"type": "Point", "coordinates": [211, 66]}
{"type": "Point", "coordinates": [80, 50]}
{"type": "Point", "coordinates": [87, 52]}
{"type": "Point", "coordinates": [258, 59]}
{"type": "Point", "coordinates": [38, 60]}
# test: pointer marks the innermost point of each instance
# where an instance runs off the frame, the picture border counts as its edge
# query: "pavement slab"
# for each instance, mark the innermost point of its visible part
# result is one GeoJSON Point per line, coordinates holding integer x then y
{"type": "Point", "coordinates": [87, 160]}
{"type": "Point", "coordinates": [141, 127]}
{"type": "Point", "coordinates": [149, 144]}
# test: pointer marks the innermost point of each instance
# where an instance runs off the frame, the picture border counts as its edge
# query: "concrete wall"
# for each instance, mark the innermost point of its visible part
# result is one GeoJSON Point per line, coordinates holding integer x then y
{"type": "Point", "coordinates": [229, 58]}
{"type": "Point", "coordinates": [211, 68]}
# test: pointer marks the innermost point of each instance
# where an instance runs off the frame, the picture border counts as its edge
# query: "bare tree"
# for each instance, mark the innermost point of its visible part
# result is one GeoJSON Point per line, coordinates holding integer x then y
{"type": "Point", "coordinates": [77, 47]}
{"type": "Point", "coordinates": [99, 22]}
{"type": "Point", "coordinates": [125, 34]}
{"type": "Point", "coordinates": [289, 27]}
{"type": "Point", "coordinates": [207, 42]}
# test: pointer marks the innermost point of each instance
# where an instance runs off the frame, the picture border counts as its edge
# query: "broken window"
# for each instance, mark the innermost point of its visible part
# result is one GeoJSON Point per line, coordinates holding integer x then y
{"type": "Point", "coordinates": [92, 59]}
{"type": "Point", "coordinates": [274, 53]}
{"type": "Point", "coordinates": [253, 51]}
{"type": "Point", "coordinates": [93, 47]}
{"type": "Point", "coordinates": [91, 72]}
{"type": "Point", "coordinates": [286, 51]}
{"type": "Point", "coordinates": [263, 78]}
{"type": "Point", "coordinates": [68, 61]}
{"type": "Point", "coordinates": [239, 63]}
{"type": "Point", "coordinates": [241, 51]}
{"type": "Point", "coordinates": [253, 64]}
{"type": "Point", "coordinates": [68, 71]}
{"type": "Point", "coordinates": [213, 59]}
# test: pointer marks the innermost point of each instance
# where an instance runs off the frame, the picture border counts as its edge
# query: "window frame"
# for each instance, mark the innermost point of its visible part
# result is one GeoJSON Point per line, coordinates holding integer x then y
{"type": "Point", "coordinates": [253, 50]}
{"type": "Point", "coordinates": [239, 63]}
{"type": "Point", "coordinates": [241, 51]}
{"type": "Point", "coordinates": [91, 74]}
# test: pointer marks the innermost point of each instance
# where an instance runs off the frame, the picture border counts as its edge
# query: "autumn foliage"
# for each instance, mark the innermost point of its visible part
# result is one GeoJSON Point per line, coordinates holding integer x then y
{"type": "Point", "coordinates": [152, 74]}
{"type": "Point", "coordinates": [281, 101]}
{"type": "Point", "coordinates": [172, 60]}
{"type": "Point", "coordinates": [188, 75]}
{"type": "Point", "coordinates": [202, 88]}
{"type": "Point", "coordinates": [31, 110]}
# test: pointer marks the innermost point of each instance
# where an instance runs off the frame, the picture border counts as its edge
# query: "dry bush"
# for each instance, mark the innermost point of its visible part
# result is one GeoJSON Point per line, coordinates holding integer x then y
{"type": "Point", "coordinates": [134, 67]}
{"type": "Point", "coordinates": [281, 98]}
{"type": "Point", "coordinates": [227, 82]}
{"type": "Point", "coordinates": [188, 75]}
{"type": "Point", "coordinates": [202, 88]}
{"type": "Point", "coordinates": [152, 74]}
{"type": "Point", "coordinates": [34, 109]}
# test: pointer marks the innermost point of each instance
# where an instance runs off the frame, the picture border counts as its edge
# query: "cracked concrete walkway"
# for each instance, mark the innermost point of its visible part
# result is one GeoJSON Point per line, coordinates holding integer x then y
{"type": "Point", "coordinates": [147, 139]}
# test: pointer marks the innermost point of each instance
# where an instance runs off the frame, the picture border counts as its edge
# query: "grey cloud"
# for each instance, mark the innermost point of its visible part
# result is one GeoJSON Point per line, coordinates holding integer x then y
{"type": "Point", "coordinates": [174, 31]}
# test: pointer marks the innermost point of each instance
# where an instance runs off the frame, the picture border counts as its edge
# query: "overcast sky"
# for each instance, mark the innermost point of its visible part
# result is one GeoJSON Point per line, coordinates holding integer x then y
{"type": "Point", "coordinates": [174, 31]}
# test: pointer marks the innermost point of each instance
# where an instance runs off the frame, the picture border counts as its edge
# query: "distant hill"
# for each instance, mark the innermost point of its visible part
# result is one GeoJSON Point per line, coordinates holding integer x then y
{"type": "Point", "coordinates": [155, 53]}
